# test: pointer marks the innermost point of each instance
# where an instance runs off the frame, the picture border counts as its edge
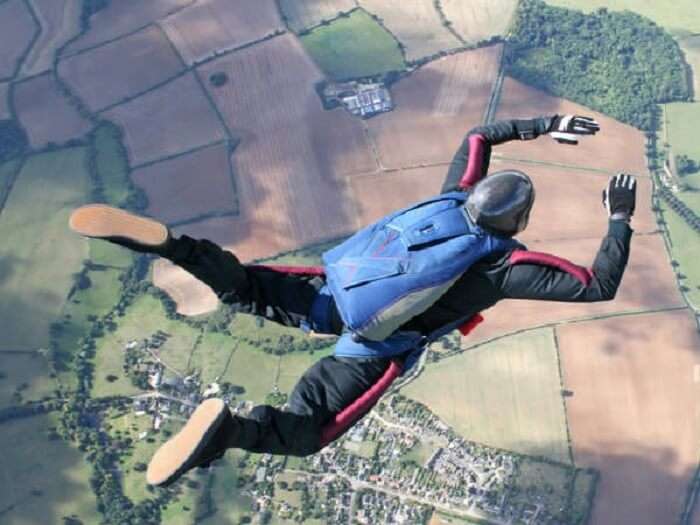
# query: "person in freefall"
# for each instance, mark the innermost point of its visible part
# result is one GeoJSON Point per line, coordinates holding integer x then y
{"type": "Point", "coordinates": [388, 291]}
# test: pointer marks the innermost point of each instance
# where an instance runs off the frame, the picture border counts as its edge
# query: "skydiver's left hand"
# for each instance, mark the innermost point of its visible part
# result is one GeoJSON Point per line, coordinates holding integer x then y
{"type": "Point", "coordinates": [565, 128]}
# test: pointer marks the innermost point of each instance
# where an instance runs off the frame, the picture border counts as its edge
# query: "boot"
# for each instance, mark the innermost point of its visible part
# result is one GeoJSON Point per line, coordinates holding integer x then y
{"type": "Point", "coordinates": [201, 441]}
{"type": "Point", "coordinates": [140, 234]}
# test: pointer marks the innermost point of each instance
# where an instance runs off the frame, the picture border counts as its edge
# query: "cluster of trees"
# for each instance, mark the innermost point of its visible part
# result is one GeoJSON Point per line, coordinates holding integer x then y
{"type": "Point", "coordinates": [619, 63]}
{"type": "Point", "coordinates": [13, 140]}
{"type": "Point", "coordinates": [681, 208]}
{"type": "Point", "coordinates": [686, 165]}
{"type": "Point", "coordinates": [90, 7]}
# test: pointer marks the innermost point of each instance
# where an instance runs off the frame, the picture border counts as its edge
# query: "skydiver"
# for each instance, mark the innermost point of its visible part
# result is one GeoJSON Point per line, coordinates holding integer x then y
{"type": "Point", "coordinates": [339, 390]}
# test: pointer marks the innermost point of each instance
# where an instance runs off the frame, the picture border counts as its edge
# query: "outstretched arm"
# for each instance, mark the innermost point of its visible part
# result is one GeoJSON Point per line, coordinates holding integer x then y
{"type": "Point", "coordinates": [471, 161]}
{"type": "Point", "coordinates": [538, 276]}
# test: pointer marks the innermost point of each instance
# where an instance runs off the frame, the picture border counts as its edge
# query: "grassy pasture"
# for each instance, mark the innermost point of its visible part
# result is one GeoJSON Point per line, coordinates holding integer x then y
{"type": "Point", "coordinates": [685, 247]}
{"type": "Point", "coordinates": [142, 320]}
{"type": "Point", "coordinates": [353, 46]}
{"type": "Point", "coordinates": [505, 394]}
{"type": "Point", "coordinates": [302, 15]}
{"type": "Point", "coordinates": [681, 18]}
{"type": "Point", "coordinates": [230, 504]}
{"type": "Point", "coordinates": [683, 119]}
{"type": "Point", "coordinates": [556, 480]}
{"type": "Point", "coordinates": [43, 479]}
{"type": "Point", "coordinates": [26, 374]}
{"type": "Point", "coordinates": [112, 164]}
{"type": "Point", "coordinates": [39, 254]}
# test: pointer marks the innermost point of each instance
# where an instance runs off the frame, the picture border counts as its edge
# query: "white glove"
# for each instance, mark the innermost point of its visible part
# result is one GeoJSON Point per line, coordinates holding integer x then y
{"type": "Point", "coordinates": [565, 128]}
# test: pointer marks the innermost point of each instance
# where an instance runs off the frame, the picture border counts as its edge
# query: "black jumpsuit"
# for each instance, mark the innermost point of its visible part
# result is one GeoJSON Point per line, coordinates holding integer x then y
{"type": "Point", "coordinates": [333, 383]}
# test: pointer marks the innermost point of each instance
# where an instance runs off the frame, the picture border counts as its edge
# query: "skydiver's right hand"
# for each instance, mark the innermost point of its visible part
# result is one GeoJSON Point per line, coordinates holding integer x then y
{"type": "Point", "coordinates": [565, 128]}
{"type": "Point", "coordinates": [620, 197]}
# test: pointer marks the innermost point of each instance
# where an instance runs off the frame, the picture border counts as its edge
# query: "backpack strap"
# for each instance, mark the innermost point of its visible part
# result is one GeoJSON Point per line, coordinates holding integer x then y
{"type": "Point", "coordinates": [363, 404]}
{"type": "Point", "coordinates": [584, 275]}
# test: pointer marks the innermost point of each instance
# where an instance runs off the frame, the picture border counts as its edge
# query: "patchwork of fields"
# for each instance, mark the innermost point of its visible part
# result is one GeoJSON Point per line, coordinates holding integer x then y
{"type": "Point", "coordinates": [257, 165]}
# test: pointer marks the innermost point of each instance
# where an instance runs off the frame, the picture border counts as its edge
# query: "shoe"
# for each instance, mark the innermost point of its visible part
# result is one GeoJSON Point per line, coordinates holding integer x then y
{"type": "Point", "coordinates": [100, 221]}
{"type": "Point", "coordinates": [196, 445]}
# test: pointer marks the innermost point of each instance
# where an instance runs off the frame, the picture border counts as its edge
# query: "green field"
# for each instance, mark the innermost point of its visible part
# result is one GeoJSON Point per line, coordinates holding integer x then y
{"type": "Point", "coordinates": [38, 252]}
{"type": "Point", "coordinates": [26, 375]}
{"type": "Point", "coordinates": [141, 321]}
{"type": "Point", "coordinates": [685, 246]}
{"type": "Point", "coordinates": [555, 479]}
{"type": "Point", "coordinates": [227, 499]}
{"type": "Point", "coordinates": [43, 480]}
{"type": "Point", "coordinates": [354, 46]}
{"type": "Point", "coordinates": [683, 119]}
{"type": "Point", "coordinates": [582, 495]}
{"type": "Point", "coordinates": [111, 164]}
{"type": "Point", "coordinates": [682, 17]}
{"type": "Point", "coordinates": [8, 171]}
{"type": "Point", "coordinates": [505, 394]}
{"type": "Point", "coordinates": [107, 254]}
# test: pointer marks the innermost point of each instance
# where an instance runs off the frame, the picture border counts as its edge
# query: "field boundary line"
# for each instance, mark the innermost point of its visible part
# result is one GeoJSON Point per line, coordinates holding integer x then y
{"type": "Point", "coordinates": [562, 386]}
{"type": "Point", "coordinates": [60, 54]}
{"type": "Point", "coordinates": [496, 89]}
{"type": "Point", "coordinates": [565, 322]}
{"type": "Point", "coordinates": [149, 163]}
{"type": "Point", "coordinates": [11, 182]}
{"type": "Point", "coordinates": [499, 156]}
{"type": "Point", "coordinates": [38, 29]}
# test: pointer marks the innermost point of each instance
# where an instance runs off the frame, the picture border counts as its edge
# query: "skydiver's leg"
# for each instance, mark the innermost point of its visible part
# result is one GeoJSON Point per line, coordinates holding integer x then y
{"type": "Point", "coordinates": [281, 297]}
{"type": "Point", "coordinates": [327, 388]}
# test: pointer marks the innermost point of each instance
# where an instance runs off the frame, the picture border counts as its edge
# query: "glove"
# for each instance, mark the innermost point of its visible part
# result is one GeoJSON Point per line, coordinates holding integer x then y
{"type": "Point", "coordinates": [565, 128]}
{"type": "Point", "coordinates": [620, 196]}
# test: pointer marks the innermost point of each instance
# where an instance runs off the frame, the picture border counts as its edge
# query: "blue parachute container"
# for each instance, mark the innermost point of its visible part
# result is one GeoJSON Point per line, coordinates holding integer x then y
{"type": "Point", "coordinates": [398, 267]}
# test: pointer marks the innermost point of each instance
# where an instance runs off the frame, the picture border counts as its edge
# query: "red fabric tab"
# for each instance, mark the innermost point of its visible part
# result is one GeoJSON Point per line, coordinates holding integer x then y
{"type": "Point", "coordinates": [579, 272]}
{"type": "Point", "coordinates": [297, 270]}
{"type": "Point", "coordinates": [475, 163]}
{"type": "Point", "coordinates": [358, 408]}
{"type": "Point", "coordinates": [471, 323]}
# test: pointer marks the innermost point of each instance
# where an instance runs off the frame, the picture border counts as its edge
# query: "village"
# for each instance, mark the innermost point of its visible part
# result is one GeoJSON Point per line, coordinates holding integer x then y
{"type": "Point", "coordinates": [398, 465]}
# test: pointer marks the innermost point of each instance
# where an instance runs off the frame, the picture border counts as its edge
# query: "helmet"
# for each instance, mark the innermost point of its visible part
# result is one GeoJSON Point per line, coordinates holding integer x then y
{"type": "Point", "coordinates": [501, 202]}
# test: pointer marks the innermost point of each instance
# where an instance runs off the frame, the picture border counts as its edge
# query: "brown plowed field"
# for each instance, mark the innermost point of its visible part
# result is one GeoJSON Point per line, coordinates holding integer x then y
{"type": "Point", "coordinates": [436, 106]}
{"type": "Point", "coordinates": [176, 189]}
{"type": "Point", "coordinates": [292, 154]}
{"type": "Point", "coordinates": [47, 115]}
{"type": "Point", "coordinates": [60, 21]}
{"type": "Point", "coordinates": [635, 412]}
{"type": "Point", "coordinates": [648, 284]}
{"type": "Point", "coordinates": [192, 296]}
{"type": "Point", "coordinates": [301, 15]}
{"type": "Point", "coordinates": [395, 190]}
{"type": "Point", "coordinates": [418, 28]}
{"type": "Point", "coordinates": [122, 17]}
{"type": "Point", "coordinates": [172, 119]}
{"type": "Point", "coordinates": [568, 202]}
{"type": "Point", "coordinates": [4, 101]}
{"type": "Point", "coordinates": [113, 72]}
{"type": "Point", "coordinates": [478, 20]}
{"type": "Point", "coordinates": [17, 28]}
{"type": "Point", "coordinates": [617, 147]}
{"type": "Point", "coordinates": [212, 26]}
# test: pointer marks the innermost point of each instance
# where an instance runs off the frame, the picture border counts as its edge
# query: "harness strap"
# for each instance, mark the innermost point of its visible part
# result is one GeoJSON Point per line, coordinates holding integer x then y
{"type": "Point", "coordinates": [475, 162]}
{"type": "Point", "coordinates": [297, 270]}
{"type": "Point", "coordinates": [363, 404]}
{"type": "Point", "coordinates": [584, 275]}
{"type": "Point", "coordinates": [470, 324]}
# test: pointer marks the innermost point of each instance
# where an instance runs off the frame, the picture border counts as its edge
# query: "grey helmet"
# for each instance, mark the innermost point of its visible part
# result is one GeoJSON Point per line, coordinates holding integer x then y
{"type": "Point", "coordinates": [501, 203]}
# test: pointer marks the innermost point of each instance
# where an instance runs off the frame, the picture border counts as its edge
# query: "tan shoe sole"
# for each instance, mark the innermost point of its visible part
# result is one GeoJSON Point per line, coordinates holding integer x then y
{"type": "Point", "coordinates": [170, 460]}
{"type": "Point", "coordinates": [103, 222]}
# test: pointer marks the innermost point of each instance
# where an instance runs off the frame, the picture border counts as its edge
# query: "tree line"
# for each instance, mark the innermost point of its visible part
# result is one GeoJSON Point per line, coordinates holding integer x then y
{"type": "Point", "coordinates": [619, 63]}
